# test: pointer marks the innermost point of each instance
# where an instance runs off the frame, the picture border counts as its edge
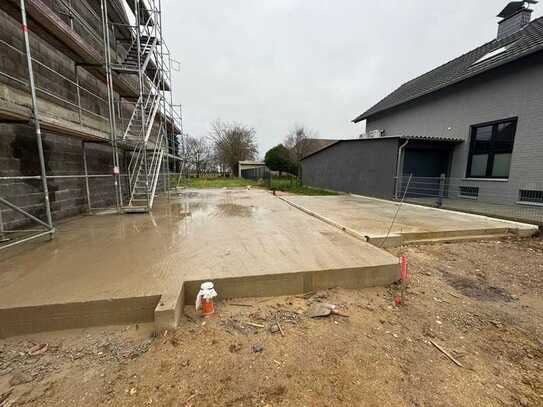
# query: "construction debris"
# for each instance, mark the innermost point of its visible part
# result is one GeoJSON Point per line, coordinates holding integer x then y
{"type": "Point", "coordinates": [280, 329]}
{"type": "Point", "coordinates": [4, 396]}
{"type": "Point", "coordinates": [235, 347]}
{"type": "Point", "coordinates": [227, 366]}
{"type": "Point", "coordinates": [20, 377]}
{"type": "Point", "coordinates": [255, 325]}
{"type": "Point", "coordinates": [38, 349]}
{"type": "Point", "coordinates": [456, 362]}
{"type": "Point", "coordinates": [321, 309]}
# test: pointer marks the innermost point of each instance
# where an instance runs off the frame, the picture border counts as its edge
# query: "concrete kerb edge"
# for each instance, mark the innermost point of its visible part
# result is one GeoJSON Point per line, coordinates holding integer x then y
{"type": "Point", "coordinates": [398, 239]}
{"type": "Point", "coordinates": [274, 285]}
{"type": "Point", "coordinates": [523, 229]}
{"type": "Point", "coordinates": [170, 308]}
{"type": "Point", "coordinates": [393, 240]}
{"type": "Point", "coordinates": [72, 315]}
{"type": "Point", "coordinates": [329, 221]}
{"type": "Point", "coordinates": [168, 311]}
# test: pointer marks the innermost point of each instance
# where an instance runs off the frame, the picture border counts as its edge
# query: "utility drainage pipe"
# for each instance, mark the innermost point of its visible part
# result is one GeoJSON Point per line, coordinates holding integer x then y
{"type": "Point", "coordinates": [36, 119]}
{"type": "Point", "coordinates": [399, 170]}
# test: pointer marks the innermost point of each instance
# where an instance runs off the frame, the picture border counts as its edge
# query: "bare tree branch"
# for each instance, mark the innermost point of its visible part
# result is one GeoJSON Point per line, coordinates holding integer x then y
{"type": "Point", "coordinates": [198, 154]}
{"type": "Point", "coordinates": [298, 142]}
{"type": "Point", "coordinates": [233, 142]}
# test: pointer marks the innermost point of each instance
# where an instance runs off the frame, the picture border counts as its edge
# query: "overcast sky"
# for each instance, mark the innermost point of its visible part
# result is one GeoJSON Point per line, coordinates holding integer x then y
{"type": "Point", "coordinates": [272, 63]}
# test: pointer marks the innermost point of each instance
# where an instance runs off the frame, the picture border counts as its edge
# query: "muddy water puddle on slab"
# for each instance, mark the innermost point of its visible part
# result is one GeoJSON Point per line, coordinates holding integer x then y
{"type": "Point", "coordinates": [205, 205]}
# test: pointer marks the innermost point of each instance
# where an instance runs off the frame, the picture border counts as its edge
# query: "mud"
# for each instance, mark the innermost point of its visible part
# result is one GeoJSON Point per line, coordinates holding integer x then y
{"type": "Point", "coordinates": [235, 210]}
{"type": "Point", "coordinates": [476, 288]}
{"type": "Point", "coordinates": [381, 355]}
{"type": "Point", "coordinates": [207, 234]}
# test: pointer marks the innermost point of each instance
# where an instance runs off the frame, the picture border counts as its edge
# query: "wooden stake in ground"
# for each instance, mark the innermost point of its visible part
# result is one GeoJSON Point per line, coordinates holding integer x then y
{"type": "Point", "coordinates": [255, 325]}
{"type": "Point", "coordinates": [456, 362]}
{"type": "Point", "coordinates": [280, 328]}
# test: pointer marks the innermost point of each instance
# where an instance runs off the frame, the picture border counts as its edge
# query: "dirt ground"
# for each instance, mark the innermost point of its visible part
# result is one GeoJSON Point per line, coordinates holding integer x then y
{"type": "Point", "coordinates": [479, 302]}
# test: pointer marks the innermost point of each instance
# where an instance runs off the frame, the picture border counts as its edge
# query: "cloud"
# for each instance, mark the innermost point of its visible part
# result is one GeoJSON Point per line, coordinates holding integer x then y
{"type": "Point", "coordinates": [270, 64]}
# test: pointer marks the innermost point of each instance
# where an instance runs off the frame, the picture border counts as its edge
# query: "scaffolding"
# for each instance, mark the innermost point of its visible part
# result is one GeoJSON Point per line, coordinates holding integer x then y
{"type": "Point", "coordinates": [142, 121]}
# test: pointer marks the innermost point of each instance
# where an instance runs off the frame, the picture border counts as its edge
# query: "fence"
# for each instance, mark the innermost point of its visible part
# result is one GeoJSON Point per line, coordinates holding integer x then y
{"type": "Point", "coordinates": [256, 174]}
{"type": "Point", "coordinates": [523, 202]}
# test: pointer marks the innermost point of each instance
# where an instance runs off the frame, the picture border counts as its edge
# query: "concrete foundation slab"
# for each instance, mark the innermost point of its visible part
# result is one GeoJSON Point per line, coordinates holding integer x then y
{"type": "Point", "coordinates": [250, 242]}
{"type": "Point", "coordinates": [371, 218]}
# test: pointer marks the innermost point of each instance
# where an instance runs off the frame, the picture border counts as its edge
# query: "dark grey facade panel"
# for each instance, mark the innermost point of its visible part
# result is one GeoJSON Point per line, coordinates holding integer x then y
{"type": "Point", "coordinates": [365, 167]}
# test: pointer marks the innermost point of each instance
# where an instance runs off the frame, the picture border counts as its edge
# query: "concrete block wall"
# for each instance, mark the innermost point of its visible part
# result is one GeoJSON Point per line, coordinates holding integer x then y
{"type": "Point", "coordinates": [63, 156]}
{"type": "Point", "coordinates": [44, 50]}
{"type": "Point", "coordinates": [14, 63]}
{"type": "Point", "coordinates": [86, 21]}
{"type": "Point", "coordinates": [92, 32]}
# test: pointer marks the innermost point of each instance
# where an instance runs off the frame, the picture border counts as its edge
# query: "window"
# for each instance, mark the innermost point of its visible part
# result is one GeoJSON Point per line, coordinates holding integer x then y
{"type": "Point", "coordinates": [469, 192]}
{"type": "Point", "coordinates": [491, 149]}
{"type": "Point", "coordinates": [531, 196]}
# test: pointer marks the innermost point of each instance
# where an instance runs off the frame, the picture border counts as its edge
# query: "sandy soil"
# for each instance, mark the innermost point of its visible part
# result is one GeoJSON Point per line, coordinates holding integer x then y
{"type": "Point", "coordinates": [480, 302]}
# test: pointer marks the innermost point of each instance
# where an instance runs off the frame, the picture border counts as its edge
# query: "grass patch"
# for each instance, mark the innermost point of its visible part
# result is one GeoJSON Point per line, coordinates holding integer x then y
{"type": "Point", "coordinates": [231, 182]}
{"type": "Point", "coordinates": [293, 186]}
{"type": "Point", "coordinates": [284, 184]}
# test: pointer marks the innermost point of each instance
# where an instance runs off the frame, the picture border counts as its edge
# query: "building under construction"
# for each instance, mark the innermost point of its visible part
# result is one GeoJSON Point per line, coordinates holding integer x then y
{"type": "Point", "coordinates": [87, 119]}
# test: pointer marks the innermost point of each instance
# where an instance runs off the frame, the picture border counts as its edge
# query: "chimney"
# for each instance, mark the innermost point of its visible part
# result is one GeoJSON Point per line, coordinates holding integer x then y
{"type": "Point", "coordinates": [514, 17]}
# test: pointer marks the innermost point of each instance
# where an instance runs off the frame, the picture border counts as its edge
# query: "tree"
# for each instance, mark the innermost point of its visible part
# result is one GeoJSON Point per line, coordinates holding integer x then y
{"type": "Point", "coordinates": [278, 159]}
{"type": "Point", "coordinates": [297, 142]}
{"type": "Point", "coordinates": [232, 143]}
{"type": "Point", "coordinates": [197, 154]}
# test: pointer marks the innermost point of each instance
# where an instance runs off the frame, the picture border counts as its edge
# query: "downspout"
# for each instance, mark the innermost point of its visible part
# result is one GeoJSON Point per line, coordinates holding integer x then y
{"type": "Point", "coordinates": [399, 169]}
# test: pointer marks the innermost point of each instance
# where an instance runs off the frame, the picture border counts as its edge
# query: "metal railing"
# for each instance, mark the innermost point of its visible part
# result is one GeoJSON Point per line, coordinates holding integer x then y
{"type": "Point", "coordinates": [69, 85]}
{"type": "Point", "coordinates": [521, 202]}
{"type": "Point", "coordinates": [91, 31]}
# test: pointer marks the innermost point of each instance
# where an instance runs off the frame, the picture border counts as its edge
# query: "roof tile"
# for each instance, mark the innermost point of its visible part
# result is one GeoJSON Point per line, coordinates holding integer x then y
{"type": "Point", "coordinates": [522, 43]}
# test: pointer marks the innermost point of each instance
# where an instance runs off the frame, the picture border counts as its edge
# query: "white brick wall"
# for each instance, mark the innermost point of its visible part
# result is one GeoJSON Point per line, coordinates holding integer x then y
{"type": "Point", "coordinates": [513, 90]}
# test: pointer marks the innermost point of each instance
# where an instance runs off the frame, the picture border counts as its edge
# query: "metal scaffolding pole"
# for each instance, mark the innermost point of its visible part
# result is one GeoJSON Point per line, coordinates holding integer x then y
{"type": "Point", "coordinates": [3, 236]}
{"type": "Point", "coordinates": [36, 119]}
{"type": "Point", "coordinates": [111, 104]}
{"type": "Point", "coordinates": [142, 104]}
{"type": "Point", "coordinates": [85, 168]}
{"type": "Point", "coordinates": [76, 73]}
{"type": "Point", "coordinates": [163, 90]}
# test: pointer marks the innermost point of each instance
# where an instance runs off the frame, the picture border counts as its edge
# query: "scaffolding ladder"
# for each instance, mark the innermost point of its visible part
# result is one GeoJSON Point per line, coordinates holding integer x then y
{"type": "Point", "coordinates": [145, 134]}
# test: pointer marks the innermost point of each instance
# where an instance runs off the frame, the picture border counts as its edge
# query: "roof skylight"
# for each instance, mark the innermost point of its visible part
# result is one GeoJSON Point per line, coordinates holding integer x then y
{"type": "Point", "coordinates": [493, 53]}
